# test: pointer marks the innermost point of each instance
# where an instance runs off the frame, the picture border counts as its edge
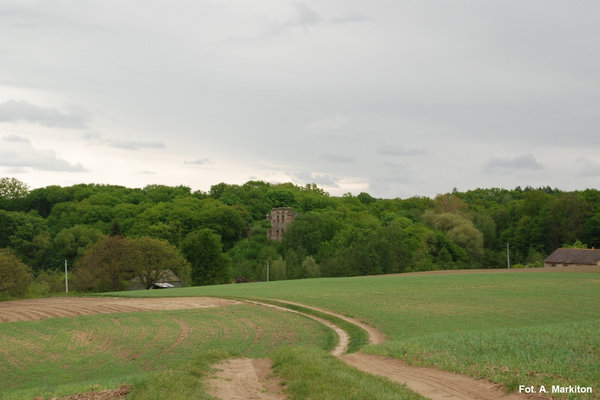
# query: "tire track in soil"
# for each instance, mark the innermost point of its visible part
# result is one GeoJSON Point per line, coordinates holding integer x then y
{"type": "Point", "coordinates": [431, 383]}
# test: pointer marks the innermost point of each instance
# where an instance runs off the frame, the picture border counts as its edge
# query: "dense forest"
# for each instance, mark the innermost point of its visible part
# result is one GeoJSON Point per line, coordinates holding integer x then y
{"type": "Point", "coordinates": [110, 234]}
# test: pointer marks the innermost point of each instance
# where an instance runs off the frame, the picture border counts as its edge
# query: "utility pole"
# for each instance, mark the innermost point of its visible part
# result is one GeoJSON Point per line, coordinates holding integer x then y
{"type": "Point", "coordinates": [507, 256]}
{"type": "Point", "coordinates": [66, 279]}
{"type": "Point", "coordinates": [267, 270]}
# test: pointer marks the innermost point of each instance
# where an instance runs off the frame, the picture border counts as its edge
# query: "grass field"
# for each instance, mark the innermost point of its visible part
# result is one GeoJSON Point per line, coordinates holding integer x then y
{"type": "Point", "coordinates": [62, 356]}
{"type": "Point", "coordinates": [514, 328]}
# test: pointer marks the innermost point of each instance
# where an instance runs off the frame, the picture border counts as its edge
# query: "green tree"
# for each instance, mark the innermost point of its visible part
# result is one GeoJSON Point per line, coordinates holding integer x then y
{"type": "Point", "coordinates": [311, 268]}
{"type": "Point", "coordinates": [308, 231]}
{"type": "Point", "coordinates": [15, 276]}
{"type": "Point", "coordinates": [154, 258]}
{"type": "Point", "coordinates": [12, 188]}
{"type": "Point", "coordinates": [27, 235]}
{"type": "Point", "coordinates": [412, 245]}
{"type": "Point", "coordinates": [108, 265]}
{"type": "Point", "coordinates": [71, 243]}
{"type": "Point", "coordinates": [357, 250]}
{"type": "Point", "coordinates": [204, 251]}
{"type": "Point", "coordinates": [112, 262]}
{"type": "Point", "coordinates": [277, 270]}
{"type": "Point", "coordinates": [460, 230]}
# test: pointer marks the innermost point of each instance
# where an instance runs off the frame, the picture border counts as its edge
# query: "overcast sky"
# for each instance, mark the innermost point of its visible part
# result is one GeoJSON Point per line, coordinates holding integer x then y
{"type": "Point", "coordinates": [395, 98]}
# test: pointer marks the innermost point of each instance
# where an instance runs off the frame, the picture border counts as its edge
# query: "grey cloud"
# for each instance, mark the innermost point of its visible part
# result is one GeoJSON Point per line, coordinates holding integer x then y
{"type": "Point", "coordinates": [303, 17]}
{"type": "Point", "coordinates": [134, 144]}
{"type": "Point", "coordinates": [320, 179]}
{"type": "Point", "coordinates": [22, 111]}
{"type": "Point", "coordinates": [333, 125]}
{"type": "Point", "coordinates": [525, 161]}
{"type": "Point", "coordinates": [24, 155]}
{"type": "Point", "coordinates": [588, 168]}
{"type": "Point", "coordinates": [200, 161]}
{"type": "Point", "coordinates": [15, 138]}
{"type": "Point", "coordinates": [399, 151]}
{"type": "Point", "coordinates": [122, 144]}
{"type": "Point", "coordinates": [347, 18]}
{"type": "Point", "coordinates": [339, 158]}
{"type": "Point", "coordinates": [17, 170]}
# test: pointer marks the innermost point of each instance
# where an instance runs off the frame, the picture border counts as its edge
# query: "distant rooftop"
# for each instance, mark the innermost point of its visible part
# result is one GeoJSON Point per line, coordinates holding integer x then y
{"type": "Point", "coordinates": [574, 256]}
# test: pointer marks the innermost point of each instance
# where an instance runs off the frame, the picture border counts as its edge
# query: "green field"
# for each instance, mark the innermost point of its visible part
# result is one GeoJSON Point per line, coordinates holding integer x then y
{"type": "Point", "coordinates": [514, 328]}
{"type": "Point", "coordinates": [526, 328]}
{"type": "Point", "coordinates": [68, 355]}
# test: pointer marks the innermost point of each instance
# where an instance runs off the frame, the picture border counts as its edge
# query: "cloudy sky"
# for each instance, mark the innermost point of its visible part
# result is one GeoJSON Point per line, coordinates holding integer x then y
{"type": "Point", "coordinates": [396, 98]}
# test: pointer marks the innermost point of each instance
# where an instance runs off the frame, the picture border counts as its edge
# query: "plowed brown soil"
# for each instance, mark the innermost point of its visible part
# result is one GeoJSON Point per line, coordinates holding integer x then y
{"type": "Point", "coordinates": [114, 394]}
{"type": "Point", "coordinates": [29, 310]}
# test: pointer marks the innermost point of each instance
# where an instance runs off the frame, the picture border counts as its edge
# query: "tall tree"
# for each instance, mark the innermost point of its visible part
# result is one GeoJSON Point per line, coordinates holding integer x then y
{"type": "Point", "coordinates": [204, 251]}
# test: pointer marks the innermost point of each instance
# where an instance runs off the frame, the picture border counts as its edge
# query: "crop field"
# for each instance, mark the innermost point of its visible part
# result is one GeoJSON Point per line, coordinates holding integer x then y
{"type": "Point", "coordinates": [513, 328]}
{"type": "Point", "coordinates": [526, 328]}
{"type": "Point", "coordinates": [61, 356]}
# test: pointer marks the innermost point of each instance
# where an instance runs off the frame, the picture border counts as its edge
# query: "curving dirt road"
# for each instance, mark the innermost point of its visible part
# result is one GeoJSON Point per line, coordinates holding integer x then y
{"type": "Point", "coordinates": [428, 382]}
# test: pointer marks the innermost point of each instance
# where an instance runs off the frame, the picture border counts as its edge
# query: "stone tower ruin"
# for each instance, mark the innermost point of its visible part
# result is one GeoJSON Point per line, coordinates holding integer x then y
{"type": "Point", "coordinates": [280, 219]}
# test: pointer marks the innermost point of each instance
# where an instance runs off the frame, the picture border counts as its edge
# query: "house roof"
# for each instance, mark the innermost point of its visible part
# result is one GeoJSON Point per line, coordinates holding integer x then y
{"type": "Point", "coordinates": [574, 256]}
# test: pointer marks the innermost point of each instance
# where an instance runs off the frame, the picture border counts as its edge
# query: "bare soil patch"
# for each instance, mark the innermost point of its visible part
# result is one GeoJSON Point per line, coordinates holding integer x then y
{"type": "Point", "coordinates": [115, 394]}
{"type": "Point", "coordinates": [35, 309]}
{"type": "Point", "coordinates": [245, 379]}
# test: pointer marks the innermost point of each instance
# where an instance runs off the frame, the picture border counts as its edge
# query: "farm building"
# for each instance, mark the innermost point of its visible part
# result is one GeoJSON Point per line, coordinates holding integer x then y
{"type": "Point", "coordinates": [280, 219]}
{"type": "Point", "coordinates": [167, 279]}
{"type": "Point", "coordinates": [564, 257]}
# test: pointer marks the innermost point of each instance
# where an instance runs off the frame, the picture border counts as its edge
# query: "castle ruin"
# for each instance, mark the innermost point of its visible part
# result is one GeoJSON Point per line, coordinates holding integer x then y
{"type": "Point", "coordinates": [280, 219]}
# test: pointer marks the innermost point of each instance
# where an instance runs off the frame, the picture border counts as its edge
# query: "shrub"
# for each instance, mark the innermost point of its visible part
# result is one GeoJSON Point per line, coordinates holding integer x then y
{"type": "Point", "coordinates": [15, 276]}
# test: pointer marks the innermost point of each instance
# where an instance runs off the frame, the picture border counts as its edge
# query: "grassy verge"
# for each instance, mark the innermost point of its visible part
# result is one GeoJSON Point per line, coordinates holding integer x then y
{"type": "Point", "coordinates": [62, 356]}
{"type": "Point", "coordinates": [312, 374]}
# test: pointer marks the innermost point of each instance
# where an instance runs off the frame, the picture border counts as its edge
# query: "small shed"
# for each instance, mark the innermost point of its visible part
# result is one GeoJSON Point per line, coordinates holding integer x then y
{"type": "Point", "coordinates": [167, 280]}
{"type": "Point", "coordinates": [565, 257]}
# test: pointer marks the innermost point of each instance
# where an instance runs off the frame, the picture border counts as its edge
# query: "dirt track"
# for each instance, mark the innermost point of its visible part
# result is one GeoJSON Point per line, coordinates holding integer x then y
{"type": "Point", "coordinates": [428, 382]}
{"type": "Point", "coordinates": [245, 379]}
{"type": "Point", "coordinates": [35, 309]}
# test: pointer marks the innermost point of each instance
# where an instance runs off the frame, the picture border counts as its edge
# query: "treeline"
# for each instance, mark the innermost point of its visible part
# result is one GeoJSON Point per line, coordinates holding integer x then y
{"type": "Point", "coordinates": [221, 234]}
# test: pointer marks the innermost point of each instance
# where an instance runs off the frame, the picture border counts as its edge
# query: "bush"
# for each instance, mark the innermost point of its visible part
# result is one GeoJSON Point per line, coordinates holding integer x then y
{"type": "Point", "coordinates": [47, 282]}
{"type": "Point", "coordinates": [15, 276]}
